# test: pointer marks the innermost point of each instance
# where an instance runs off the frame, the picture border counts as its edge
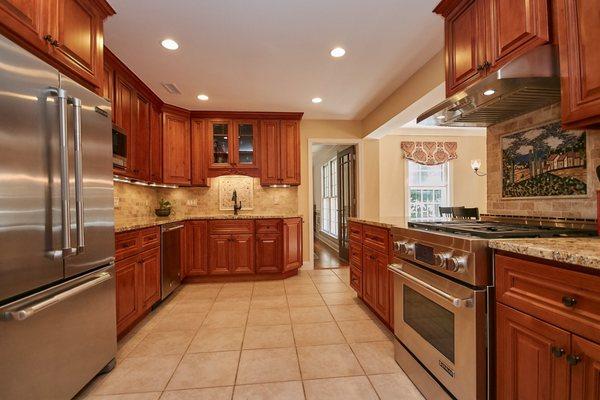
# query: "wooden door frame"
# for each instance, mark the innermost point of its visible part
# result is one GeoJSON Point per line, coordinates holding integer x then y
{"type": "Point", "coordinates": [360, 179]}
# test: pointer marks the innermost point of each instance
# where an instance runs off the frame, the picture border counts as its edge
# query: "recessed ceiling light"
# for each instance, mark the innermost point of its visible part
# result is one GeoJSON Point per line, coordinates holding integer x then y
{"type": "Point", "coordinates": [489, 92]}
{"type": "Point", "coordinates": [317, 100]}
{"type": "Point", "coordinates": [337, 52]}
{"type": "Point", "coordinates": [202, 97]}
{"type": "Point", "coordinates": [170, 44]}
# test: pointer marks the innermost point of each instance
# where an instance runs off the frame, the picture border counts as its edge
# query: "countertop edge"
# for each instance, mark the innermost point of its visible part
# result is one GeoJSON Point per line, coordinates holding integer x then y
{"type": "Point", "coordinates": [151, 224]}
{"type": "Point", "coordinates": [545, 251]}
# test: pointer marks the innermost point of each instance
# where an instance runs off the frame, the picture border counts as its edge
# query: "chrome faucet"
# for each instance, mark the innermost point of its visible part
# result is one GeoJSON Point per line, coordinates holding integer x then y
{"type": "Point", "coordinates": [236, 206]}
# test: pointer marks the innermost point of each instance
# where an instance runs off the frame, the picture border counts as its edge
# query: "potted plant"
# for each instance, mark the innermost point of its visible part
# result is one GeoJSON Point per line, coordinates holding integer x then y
{"type": "Point", "coordinates": [164, 209]}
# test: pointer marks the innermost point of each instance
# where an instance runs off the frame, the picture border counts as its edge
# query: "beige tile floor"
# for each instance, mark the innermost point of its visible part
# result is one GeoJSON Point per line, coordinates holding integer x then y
{"type": "Point", "coordinates": [308, 337]}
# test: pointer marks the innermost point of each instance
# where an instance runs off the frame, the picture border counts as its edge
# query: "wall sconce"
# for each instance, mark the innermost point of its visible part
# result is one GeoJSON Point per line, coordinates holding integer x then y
{"type": "Point", "coordinates": [476, 165]}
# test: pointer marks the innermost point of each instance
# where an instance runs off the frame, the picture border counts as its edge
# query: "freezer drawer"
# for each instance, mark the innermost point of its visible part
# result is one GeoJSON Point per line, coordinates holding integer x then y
{"type": "Point", "coordinates": [56, 341]}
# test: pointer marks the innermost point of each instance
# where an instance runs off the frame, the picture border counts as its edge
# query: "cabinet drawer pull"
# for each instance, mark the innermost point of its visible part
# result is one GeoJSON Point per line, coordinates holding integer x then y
{"type": "Point", "coordinates": [573, 360]}
{"type": "Point", "coordinates": [569, 301]}
{"type": "Point", "coordinates": [557, 352]}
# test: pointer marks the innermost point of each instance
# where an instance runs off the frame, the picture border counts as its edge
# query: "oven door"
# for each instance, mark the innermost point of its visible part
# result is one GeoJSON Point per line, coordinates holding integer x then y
{"type": "Point", "coordinates": [443, 324]}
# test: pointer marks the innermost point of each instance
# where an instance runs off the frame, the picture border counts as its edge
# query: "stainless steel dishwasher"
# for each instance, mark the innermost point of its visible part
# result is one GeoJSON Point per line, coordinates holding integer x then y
{"type": "Point", "coordinates": [171, 257]}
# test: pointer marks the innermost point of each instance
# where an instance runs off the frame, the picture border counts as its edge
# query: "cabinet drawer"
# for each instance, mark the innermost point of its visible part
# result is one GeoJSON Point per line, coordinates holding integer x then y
{"type": "Point", "coordinates": [356, 255]}
{"type": "Point", "coordinates": [149, 238]}
{"type": "Point", "coordinates": [565, 298]}
{"type": "Point", "coordinates": [355, 231]}
{"type": "Point", "coordinates": [356, 279]}
{"type": "Point", "coordinates": [376, 238]}
{"type": "Point", "coordinates": [268, 225]}
{"type": "Point", "coordinates": [127, 244]}
{"type": "Point", "coordinates": [224, 227]}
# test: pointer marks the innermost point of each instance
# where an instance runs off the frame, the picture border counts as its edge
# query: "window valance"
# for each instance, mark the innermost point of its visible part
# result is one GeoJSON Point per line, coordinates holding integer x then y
{"type": "Point", "coordinates": [429, 153]}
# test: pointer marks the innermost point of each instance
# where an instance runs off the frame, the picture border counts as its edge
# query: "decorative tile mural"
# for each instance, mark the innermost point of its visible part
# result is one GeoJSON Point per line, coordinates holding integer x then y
{"type": "Point", "coordinates": [243, 187]}
{"type": "Point", "coordinates": [545, 161]}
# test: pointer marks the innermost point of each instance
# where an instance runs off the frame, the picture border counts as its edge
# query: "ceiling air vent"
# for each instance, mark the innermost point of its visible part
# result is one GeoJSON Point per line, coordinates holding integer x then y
{"type": "Point", "coordinates": [171, 88]}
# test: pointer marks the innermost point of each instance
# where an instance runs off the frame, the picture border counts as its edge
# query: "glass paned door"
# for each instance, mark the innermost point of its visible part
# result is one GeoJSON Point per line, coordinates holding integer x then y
{"type": "Point", "coordinates": [220, 142]}
{"type": "Point", "coordinates": [346, 187]}
{"type": "Point", "coordinates": [245, 145]}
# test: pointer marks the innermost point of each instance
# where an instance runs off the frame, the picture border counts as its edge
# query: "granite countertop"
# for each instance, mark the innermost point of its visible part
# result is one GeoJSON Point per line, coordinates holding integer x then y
{"type": "Point", "coordinates": [139, 223]}
{"type": "Point", "coordinates": [583, 251]}
{"type": "Point", "coordinates": [384, 222]}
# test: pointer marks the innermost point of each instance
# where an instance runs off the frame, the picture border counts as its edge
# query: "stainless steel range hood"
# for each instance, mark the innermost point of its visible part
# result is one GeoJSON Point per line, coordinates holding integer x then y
{"type": "Point", "coordinates": [526, 84]}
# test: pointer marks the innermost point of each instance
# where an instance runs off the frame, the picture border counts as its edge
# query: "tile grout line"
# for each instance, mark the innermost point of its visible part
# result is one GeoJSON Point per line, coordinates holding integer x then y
{"type": "Point", "coordinates": [295, 344]}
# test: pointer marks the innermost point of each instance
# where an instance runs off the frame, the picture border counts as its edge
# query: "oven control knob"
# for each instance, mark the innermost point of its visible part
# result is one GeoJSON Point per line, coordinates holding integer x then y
{"type": "Point", "coordinates": [440, 260]}
{"type": "Point", "coordinates": [456, 264]}
{"type": "Point", "coordinates": [404, 247]}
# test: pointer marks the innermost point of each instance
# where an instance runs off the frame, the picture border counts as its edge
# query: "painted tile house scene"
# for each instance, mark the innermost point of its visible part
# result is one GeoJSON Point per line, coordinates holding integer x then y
{"type": "Point", "coordinates": [300, 200]}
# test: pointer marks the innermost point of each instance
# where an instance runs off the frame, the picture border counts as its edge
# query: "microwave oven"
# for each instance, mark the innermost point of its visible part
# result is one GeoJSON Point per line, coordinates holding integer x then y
{"type": "Point", "coordinates": [119, 140]}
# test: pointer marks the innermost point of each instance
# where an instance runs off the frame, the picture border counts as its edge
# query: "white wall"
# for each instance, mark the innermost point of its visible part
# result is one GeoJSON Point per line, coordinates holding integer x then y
{"type": "Point", "coordinates": [467, 189]}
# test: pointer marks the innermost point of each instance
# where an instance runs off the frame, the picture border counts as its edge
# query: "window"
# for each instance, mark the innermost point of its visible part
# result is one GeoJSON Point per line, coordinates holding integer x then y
{"type": "Point", "coordinates": [329, 198]}
{"type": "Point", "coordinates": [428, 189]}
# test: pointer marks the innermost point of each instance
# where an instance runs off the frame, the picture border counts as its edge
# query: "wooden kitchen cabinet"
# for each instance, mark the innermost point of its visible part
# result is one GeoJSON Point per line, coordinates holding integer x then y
{"type": "Point", "coordinates": [548, 331]}
{"type": "Point", "coordinates": [292, 243]}
{"type": "Point", "coordinates": [219, 257]}
{"type": "Point", "coordinates": [483, 35]}
{"type": "Point", "coordinates": [149, 265]}
{"type": "Point", "coordinates": [140, 159]}
{"type": "Point", "coordinates": [268, 253]}
{"type": "Point", "coordinates": [176, 147]}
{"type": "Point", "coordinates": [369, 268]}
{"type": "Point", "coordinates": [241, 253]}
{"type": "Point", "coordinates": [465, 45]}
{"type": "Point", "coordinates": [155, 145]}
{"type": "Point", "coordinates": [579, 32]}
{"type": "Point", "coordinates": [516, 27]}
{"type": "Point", "coordinates": [108, 86]}
{"type": "Point", "coordinates": [585, 372]}
{"type": "Point", "coordinates": [198, 153]}
{"type": "Point", "coordinates": [531, 357]}
{"type": "Point", "coordinates": [376, 286]}
{"type": "Point", "coordinates": [196, 248]}
{"type": "Point", "coordinates": [67, 33]}
{"type": "Point", "coordinates": [123, 111]}
{"type": "Point", "coordinates": [280, 150]}
{"type": "Point", "coordinates": [232, 147]}
{"type": "Point", "coordinates": [137, 275]}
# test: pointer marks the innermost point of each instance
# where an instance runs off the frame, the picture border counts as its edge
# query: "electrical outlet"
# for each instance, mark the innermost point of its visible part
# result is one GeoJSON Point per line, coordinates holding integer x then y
{"type": "Point", "coordinates": [276, 200]}
{"type": "Point", "coordinates": [116, 202]}
{"type": "Point", "coordinates": [192, 202]}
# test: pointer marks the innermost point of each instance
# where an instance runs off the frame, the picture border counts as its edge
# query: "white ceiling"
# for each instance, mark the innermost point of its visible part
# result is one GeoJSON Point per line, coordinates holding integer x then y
{"type": "Point", "coordinates": [273, 55]}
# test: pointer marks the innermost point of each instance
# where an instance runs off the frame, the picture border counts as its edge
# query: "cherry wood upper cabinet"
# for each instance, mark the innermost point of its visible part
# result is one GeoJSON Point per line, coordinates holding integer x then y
{"type": "Point", "coordinates": [270, 152]}
{"type": "Point", "coordinates": [26, 20]}
{"type": "Point", "coordinates": [220, 144]}
{"type": "Point", "coordinates": [231, 147]}
{"type": "Point", "coordinates": [245, 138]}
{"type": "Point", "coordinates": [176, 147]}
{"type": "Point", "coordinates": [141, 139]}
{"type": "Point", "coordinates": [108, 87]}
{"type": "Point", "coordinates": [579, 35]}
{"type": "Point", "coordinates": [483, 35]}
{"type": "Point", "coordinates": [155, 145]}
{"type": "Point", "coordinates": [79, 38]}
{"type": "Point", "coordinates": [198, 156]}
{"type": "Point", "coordinates": [123, 113]}
{"type": "Point", "coordinates": [280, 149]}
{"type": "Point", "coordinates": [292, 243]}
{"type": "Point", "coordinates": [290, 152]}
{"type": "Point", "coordinates": [66, 33]}
{"type": "Point", "coordinates": [531, 357]}
{"type": "Point", "coordinates": [465, 45]}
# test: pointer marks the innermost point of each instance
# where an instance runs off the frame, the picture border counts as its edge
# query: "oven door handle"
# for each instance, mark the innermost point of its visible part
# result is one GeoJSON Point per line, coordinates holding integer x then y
{"type": "Point", "coordinates": [456, 302]}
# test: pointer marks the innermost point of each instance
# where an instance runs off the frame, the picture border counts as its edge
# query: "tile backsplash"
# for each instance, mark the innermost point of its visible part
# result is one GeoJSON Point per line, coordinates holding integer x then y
{"type": "Point", "coordinates": [583, 207]}
{"type": "Point", "coordinates": [134, 201]}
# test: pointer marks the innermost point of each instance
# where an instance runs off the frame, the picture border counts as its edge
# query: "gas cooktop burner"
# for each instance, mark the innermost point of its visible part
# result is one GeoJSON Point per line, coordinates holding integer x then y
{"type": "Point", "coordinates": [491, 230]}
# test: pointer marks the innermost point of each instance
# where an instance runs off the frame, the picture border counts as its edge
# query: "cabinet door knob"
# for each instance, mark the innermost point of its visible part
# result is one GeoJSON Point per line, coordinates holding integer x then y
{"type": "Point", "coordinates": [569, 301]}
{"type": "Point", "coordinates": [573, 360]}
{"type": "Point", "coordinates": [557, 352]}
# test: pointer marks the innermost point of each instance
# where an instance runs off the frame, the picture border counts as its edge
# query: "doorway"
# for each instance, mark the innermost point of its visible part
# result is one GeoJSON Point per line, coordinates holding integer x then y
{"type": "Point", "coordinates": [333, 202]}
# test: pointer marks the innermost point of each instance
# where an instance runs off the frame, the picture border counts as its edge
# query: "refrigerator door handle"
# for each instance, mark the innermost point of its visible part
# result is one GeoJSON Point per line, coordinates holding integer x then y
{"type": "Point", "coordinates": [79, 207]}
{"type": "Point", "coordinates": [27, 312]}
{"type": "Point", "coordinates": [65, 207]}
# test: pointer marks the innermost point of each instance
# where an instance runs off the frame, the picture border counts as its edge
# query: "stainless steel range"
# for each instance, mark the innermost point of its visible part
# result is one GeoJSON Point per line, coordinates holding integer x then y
{"type": "Point", "coordinates": [443, 286]}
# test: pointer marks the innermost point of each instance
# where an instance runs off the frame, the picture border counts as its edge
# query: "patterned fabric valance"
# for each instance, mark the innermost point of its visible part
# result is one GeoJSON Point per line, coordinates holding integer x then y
{"type": "Point", "coordinates": [429, 153]}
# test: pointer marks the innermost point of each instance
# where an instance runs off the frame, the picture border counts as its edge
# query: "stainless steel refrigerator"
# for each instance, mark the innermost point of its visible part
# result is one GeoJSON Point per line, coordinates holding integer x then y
{"type": "Point", "coordinates": [57, 278]}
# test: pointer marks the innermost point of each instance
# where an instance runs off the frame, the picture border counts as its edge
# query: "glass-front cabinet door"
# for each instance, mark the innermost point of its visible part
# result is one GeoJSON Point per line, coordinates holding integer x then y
{"type": "Point", "coordinates": [221, 144]}
{"type": "Point", "coordinates": [245, 146]}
